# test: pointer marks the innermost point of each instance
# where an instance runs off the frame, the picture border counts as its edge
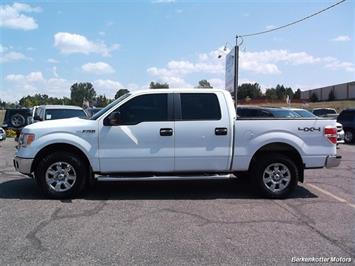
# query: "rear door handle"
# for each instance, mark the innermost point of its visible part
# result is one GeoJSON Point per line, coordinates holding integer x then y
{"type": "Point", "coordinates": [220, 131]}
{"type": "Point", "coordinates": [166, 132]}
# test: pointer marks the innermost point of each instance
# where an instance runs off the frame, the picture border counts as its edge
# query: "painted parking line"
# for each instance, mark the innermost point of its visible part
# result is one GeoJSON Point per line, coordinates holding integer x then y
{"type": "Point", "coordinates": [331, 195]}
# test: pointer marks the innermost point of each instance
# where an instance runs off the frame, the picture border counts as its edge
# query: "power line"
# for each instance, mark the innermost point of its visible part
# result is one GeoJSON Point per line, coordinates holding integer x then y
{"type": "Point", "coordinates": [292, 23]}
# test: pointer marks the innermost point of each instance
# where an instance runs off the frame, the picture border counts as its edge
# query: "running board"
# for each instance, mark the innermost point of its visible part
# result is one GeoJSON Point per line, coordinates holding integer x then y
{"type": "Point", "coordinates": [156, 178]}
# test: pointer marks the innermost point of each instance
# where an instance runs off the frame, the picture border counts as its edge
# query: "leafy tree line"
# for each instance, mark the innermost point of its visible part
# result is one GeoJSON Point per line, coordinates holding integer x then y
{"type": "Point", "coordinates": [253, 91]}
{"type": "Point", "coordinates": [84, 94]}
{"type": "Point", "coordinates": [81, 94]}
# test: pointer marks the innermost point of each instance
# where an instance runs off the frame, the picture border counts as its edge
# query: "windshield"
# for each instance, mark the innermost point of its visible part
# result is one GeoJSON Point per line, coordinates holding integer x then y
{"type": "Point", "coordinates": [108, 107]}
{"type": "Point", "coordinates": [304, 113]}
{"type": "Point", "coordinates": [52, 114]}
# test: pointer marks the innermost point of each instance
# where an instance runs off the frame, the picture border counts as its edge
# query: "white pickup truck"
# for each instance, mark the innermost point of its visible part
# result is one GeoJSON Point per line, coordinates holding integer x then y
{"type": "Point", "coordinates": [174, 134]}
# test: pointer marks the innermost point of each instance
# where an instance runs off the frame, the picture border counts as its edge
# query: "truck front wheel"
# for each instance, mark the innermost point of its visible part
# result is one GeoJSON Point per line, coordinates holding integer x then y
{"type": "Point", "coordinates": [276, 175]}
{"type": "Point", "coordinates": [61, 175]}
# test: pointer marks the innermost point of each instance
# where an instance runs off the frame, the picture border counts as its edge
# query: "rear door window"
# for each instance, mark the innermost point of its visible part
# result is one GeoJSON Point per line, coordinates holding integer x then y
{"type": "Point", "coordinates": [200, 106]}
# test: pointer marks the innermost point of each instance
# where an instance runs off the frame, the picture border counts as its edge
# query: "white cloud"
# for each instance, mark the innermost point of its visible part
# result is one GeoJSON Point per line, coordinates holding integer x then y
{"type": "Point", "coordinates": [98, 68]}
{"type": "Point", "coordinates": [30, 78]}
{"type": "Point", "coordinates": [13, 17]}
{"type": "Point", "coordinates": [217, 83]}
{"type": "Point", "coordinates": [52, 61]}
{"type": "Point", "coordinates": [338, 65]}
{"type": "Point", "coordinates": [12, 56]}
{"type": "Point", "coordinates": [268, 62]}
{"type": "Point", "coordinates": [107, 87]}
{"type": "Point", "coordinates": [69, 43]}
{"type": "Point", "coordinates": [341, 38]}
{"type": "Point", "coordinates": [19, 85]}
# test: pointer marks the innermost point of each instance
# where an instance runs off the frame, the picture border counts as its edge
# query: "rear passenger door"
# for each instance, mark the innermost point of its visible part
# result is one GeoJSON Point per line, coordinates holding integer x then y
{"type": "Point", "coordinates": [202, 132]}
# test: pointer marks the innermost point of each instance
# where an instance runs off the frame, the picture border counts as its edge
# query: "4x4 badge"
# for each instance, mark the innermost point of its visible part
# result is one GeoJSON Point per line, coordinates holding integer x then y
{"type": "Point", "coordinates": [309, 129]}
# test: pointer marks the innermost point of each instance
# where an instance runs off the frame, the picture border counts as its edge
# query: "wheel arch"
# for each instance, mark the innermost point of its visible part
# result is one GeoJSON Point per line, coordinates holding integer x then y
{"type": "Point", "coordinates": [282, 148]}
{"type": "Point", "coordinates": [59, 147]}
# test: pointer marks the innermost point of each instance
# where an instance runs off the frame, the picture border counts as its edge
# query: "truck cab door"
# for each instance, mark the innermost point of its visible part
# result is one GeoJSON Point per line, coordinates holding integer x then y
{"type": "Point", "coordinates": [143, 138]}
{"type": "Point", "coordinates": [203, 132]}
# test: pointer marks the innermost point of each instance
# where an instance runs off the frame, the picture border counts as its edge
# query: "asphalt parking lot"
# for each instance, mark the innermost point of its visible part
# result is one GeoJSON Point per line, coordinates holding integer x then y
{"type": "Point", "coordinates": [177, 223]}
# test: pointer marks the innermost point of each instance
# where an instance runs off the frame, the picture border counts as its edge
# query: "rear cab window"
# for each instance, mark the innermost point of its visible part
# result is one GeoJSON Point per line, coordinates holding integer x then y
{"type": "Point", "coordinates": [199, 106]}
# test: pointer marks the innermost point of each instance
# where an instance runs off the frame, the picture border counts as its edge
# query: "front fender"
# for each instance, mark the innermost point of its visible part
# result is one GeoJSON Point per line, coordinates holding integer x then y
{"type": "Point", "coordinates": [87, 146]}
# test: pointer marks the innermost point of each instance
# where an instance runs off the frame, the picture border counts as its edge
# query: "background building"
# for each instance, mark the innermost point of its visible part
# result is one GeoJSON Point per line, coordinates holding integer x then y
{"type": "Point", "coordinates": [344, 91]}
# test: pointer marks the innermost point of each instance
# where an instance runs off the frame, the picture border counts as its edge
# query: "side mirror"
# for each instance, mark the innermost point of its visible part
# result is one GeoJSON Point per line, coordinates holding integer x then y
{"type": "Point", "coordinates": [113, 119]}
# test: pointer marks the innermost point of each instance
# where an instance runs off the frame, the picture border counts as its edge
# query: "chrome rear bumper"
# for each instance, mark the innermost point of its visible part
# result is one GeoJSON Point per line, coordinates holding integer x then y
{"type": "Point", "coordinates": [332, 161]}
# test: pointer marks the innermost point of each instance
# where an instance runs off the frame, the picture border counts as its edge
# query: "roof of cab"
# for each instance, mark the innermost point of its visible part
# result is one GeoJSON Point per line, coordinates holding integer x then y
{"type": "Point", "coordinates": [178, 90]}
{"type": "Point", "coordinates": [61, 107]}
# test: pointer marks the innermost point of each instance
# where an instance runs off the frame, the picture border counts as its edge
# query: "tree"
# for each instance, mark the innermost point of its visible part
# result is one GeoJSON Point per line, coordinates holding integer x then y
{"type": "Point", "coordinates": [249, 90]}
{"type": "Point", "coordinates": [297, 94]}
{"type": "Point", "coordinates": [121, 92]}
{"type": "Point", "coordinates": [314, 97]}
{"type": "Point", "coordinates": [204, 84]}
{"type": "Point", "coordinates": [331, 96]}
{"type": "Point", "coordinates": [157, 85]}
{"type": "Point", "coordinates": [102, 101]}
{"type": "Point", "coordinates": [81, 91]}
{"type": "Point", "coordinates": [271, 94]}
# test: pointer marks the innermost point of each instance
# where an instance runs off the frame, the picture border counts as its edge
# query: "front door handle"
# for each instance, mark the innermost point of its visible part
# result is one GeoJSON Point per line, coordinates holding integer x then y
{"type": "Point", "coordinates": [166, 132]}
{"type": "Point", "coordinates": [220, 131]}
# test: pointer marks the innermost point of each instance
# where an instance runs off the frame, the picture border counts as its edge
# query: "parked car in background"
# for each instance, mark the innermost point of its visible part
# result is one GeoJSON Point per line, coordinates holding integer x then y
{"type": "Point", "coordinates": [16, 119]}
{"type": "Point", "coordinates": [53, 112]}
{"type": "Point", "coordinates": [2, 134]}
{"type": "Point", "coordinates": [325, 112]}
{"type": "Point", "coordinates": [306, 113]}
{"type": "Point", "coordinates": [258, 111]}
{"type": "Point", "coordinates": [347, 119]}
{"type": "Point", "coordinates": [91, 111]}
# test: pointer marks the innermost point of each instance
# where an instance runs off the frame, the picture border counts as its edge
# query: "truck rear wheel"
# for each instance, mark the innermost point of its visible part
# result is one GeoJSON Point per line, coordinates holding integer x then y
{"type": "Point", "coordinates": [61, 175]}
{"type": "Point", "coordinates": [276, 175]}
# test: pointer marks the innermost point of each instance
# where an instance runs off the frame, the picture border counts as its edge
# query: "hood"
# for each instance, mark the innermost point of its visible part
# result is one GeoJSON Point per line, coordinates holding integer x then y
{"type": "Point", "coordinates": [68, 125]}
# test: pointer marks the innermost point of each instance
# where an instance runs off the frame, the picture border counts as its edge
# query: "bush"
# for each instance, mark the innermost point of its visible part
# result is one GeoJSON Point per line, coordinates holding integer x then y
{"type": "Point", "coordinates": [10, 133]}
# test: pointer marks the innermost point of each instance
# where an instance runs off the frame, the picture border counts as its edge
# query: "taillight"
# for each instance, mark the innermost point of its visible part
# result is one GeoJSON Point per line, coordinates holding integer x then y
{"type": "Point", "coordinates": [331, 134]}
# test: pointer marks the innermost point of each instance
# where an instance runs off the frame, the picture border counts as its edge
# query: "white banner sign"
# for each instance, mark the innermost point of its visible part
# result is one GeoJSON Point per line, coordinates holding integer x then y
{"type": "Point", "coordinates": [230, 71]}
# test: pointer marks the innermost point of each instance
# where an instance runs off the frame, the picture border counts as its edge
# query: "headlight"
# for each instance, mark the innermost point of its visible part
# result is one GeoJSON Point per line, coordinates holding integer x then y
{"type": "Point", "coordinates": [26, 139]}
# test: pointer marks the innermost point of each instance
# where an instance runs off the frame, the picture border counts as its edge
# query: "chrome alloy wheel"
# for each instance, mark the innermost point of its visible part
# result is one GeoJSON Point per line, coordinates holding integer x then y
{"type": "Point", "coordinates": [60, 176]}
{"type": "Point", "coordinates": [276, 177]}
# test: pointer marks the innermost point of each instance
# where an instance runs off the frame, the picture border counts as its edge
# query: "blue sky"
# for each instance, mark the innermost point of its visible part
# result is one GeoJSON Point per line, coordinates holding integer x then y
{"type": "Point", "coordinates": [48, 45]}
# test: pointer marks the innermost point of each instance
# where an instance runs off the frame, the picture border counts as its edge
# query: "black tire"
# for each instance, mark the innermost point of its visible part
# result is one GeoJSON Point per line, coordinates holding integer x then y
{"type": "Point", "coordinates": [78, 168]}
{"type": "Point", "coordinates": [17, 120]}
{"type": "Point", "coordinates": [277, 178]}
{"type": "Point", "coordinates": [349, 136]}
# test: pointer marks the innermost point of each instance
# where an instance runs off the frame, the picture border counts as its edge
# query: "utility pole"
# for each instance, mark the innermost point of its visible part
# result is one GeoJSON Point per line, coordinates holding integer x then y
{"type": "Point", "coordinates": [236, 70]}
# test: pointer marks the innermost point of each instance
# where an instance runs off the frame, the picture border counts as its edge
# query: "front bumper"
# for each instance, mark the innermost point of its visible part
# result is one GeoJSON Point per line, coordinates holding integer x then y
{"type": "Point", "coordinates": [23, 165]}
{"type": "Point", "coordinates": [332, 161]}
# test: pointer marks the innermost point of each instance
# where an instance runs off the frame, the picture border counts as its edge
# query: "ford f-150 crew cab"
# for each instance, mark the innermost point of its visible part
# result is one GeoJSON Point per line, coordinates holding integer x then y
{"type": "Point", "coordinates": [174, 134]}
